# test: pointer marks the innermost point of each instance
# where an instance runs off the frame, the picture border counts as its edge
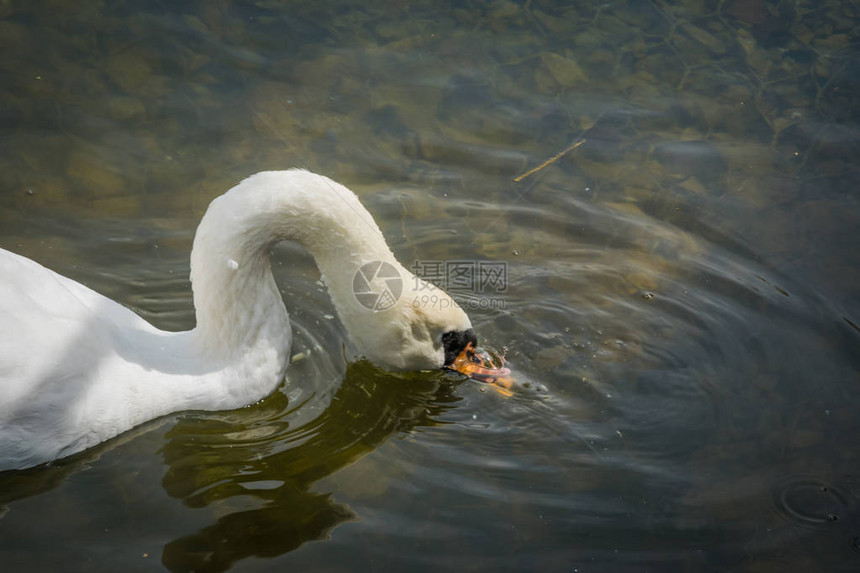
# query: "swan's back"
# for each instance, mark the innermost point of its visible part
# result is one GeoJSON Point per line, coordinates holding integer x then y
{"type": "Point", "coordinates": [55, 328]}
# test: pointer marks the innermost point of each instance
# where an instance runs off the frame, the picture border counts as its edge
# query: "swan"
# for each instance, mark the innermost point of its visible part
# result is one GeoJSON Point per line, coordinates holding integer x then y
{"type": "Point", "coordinates": [77, 368]}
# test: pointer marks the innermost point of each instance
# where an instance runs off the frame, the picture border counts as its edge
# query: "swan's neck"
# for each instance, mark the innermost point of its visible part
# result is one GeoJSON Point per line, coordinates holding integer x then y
{"type": "Point", "coordinates": [237, 302]}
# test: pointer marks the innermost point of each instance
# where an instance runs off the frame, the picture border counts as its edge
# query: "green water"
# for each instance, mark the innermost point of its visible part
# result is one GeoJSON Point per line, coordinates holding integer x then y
{"type": "Point", "coordinates": [680, 304]}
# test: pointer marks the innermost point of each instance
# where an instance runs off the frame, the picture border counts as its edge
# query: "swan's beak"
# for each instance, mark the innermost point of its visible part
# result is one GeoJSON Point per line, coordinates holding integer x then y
{"type": "Point", "coordinates": [478, 364]}
{"type": "Point", "coordinates": [455, 342]}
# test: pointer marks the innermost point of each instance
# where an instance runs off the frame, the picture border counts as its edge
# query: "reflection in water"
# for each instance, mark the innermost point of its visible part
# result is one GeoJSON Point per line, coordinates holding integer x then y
{"type": "Point", "coordinates": [257, 472]}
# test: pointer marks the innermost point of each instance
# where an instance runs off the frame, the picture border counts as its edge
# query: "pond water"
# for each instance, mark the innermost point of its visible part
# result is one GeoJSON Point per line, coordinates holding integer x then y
{"type": "Point", "coordinates": [677, 295]}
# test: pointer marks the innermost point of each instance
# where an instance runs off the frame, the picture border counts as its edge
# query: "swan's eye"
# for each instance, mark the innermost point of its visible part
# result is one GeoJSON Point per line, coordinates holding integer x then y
{"type": "Point", "coordinates": [455, 341]}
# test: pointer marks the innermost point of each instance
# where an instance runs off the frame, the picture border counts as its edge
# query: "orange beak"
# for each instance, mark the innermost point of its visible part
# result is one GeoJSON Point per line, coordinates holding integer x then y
{"type": "Point", "coordinates": [478, 365]}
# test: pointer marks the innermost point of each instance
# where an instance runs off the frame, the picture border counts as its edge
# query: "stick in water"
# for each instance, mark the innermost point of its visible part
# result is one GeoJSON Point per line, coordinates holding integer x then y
{"type": "Point", "coordinates": [549, 161]}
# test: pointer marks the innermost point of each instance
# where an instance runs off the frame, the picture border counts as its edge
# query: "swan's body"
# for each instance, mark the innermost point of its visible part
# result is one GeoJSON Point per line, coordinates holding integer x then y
{"type": "Point", "coordinates": [77, 368]}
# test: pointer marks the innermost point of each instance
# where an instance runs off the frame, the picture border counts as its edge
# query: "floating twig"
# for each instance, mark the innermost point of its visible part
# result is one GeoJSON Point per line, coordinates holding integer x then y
{"type": "Point", "coordinates": [550, 161]}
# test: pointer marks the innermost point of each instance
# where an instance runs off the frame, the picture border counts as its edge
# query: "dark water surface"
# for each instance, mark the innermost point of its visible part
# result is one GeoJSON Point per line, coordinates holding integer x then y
{"type": "Point", "coordinates": [680, 301]}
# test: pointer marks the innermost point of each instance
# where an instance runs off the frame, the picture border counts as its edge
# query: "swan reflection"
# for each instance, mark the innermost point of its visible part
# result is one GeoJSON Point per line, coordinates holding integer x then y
{"type": "Point", "coordinates": [256, 472]}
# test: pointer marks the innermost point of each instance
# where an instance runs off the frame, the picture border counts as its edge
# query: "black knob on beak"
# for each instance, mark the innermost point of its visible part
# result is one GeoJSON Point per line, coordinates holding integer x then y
{"type": "Point", "coordinates": [455, 341]}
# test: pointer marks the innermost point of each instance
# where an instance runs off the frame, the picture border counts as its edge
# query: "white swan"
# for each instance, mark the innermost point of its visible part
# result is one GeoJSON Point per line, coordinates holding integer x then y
{"type": "Point", "coordinates": [77, 368]}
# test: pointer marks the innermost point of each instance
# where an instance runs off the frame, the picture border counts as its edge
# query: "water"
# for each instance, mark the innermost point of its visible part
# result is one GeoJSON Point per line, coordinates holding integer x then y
{"type": "Point", "coordinates": [679, 303]}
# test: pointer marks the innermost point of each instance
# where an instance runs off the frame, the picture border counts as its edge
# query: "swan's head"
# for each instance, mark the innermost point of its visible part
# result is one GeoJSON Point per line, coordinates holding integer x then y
{"type": "Point", "coordinates": [419, 328]}
{"type": "Point", "coordinates": [435, 330]}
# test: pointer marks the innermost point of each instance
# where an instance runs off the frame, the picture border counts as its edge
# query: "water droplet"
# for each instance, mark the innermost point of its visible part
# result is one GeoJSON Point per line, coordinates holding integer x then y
{"type": "Point", "coordinates": [515, 253]}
